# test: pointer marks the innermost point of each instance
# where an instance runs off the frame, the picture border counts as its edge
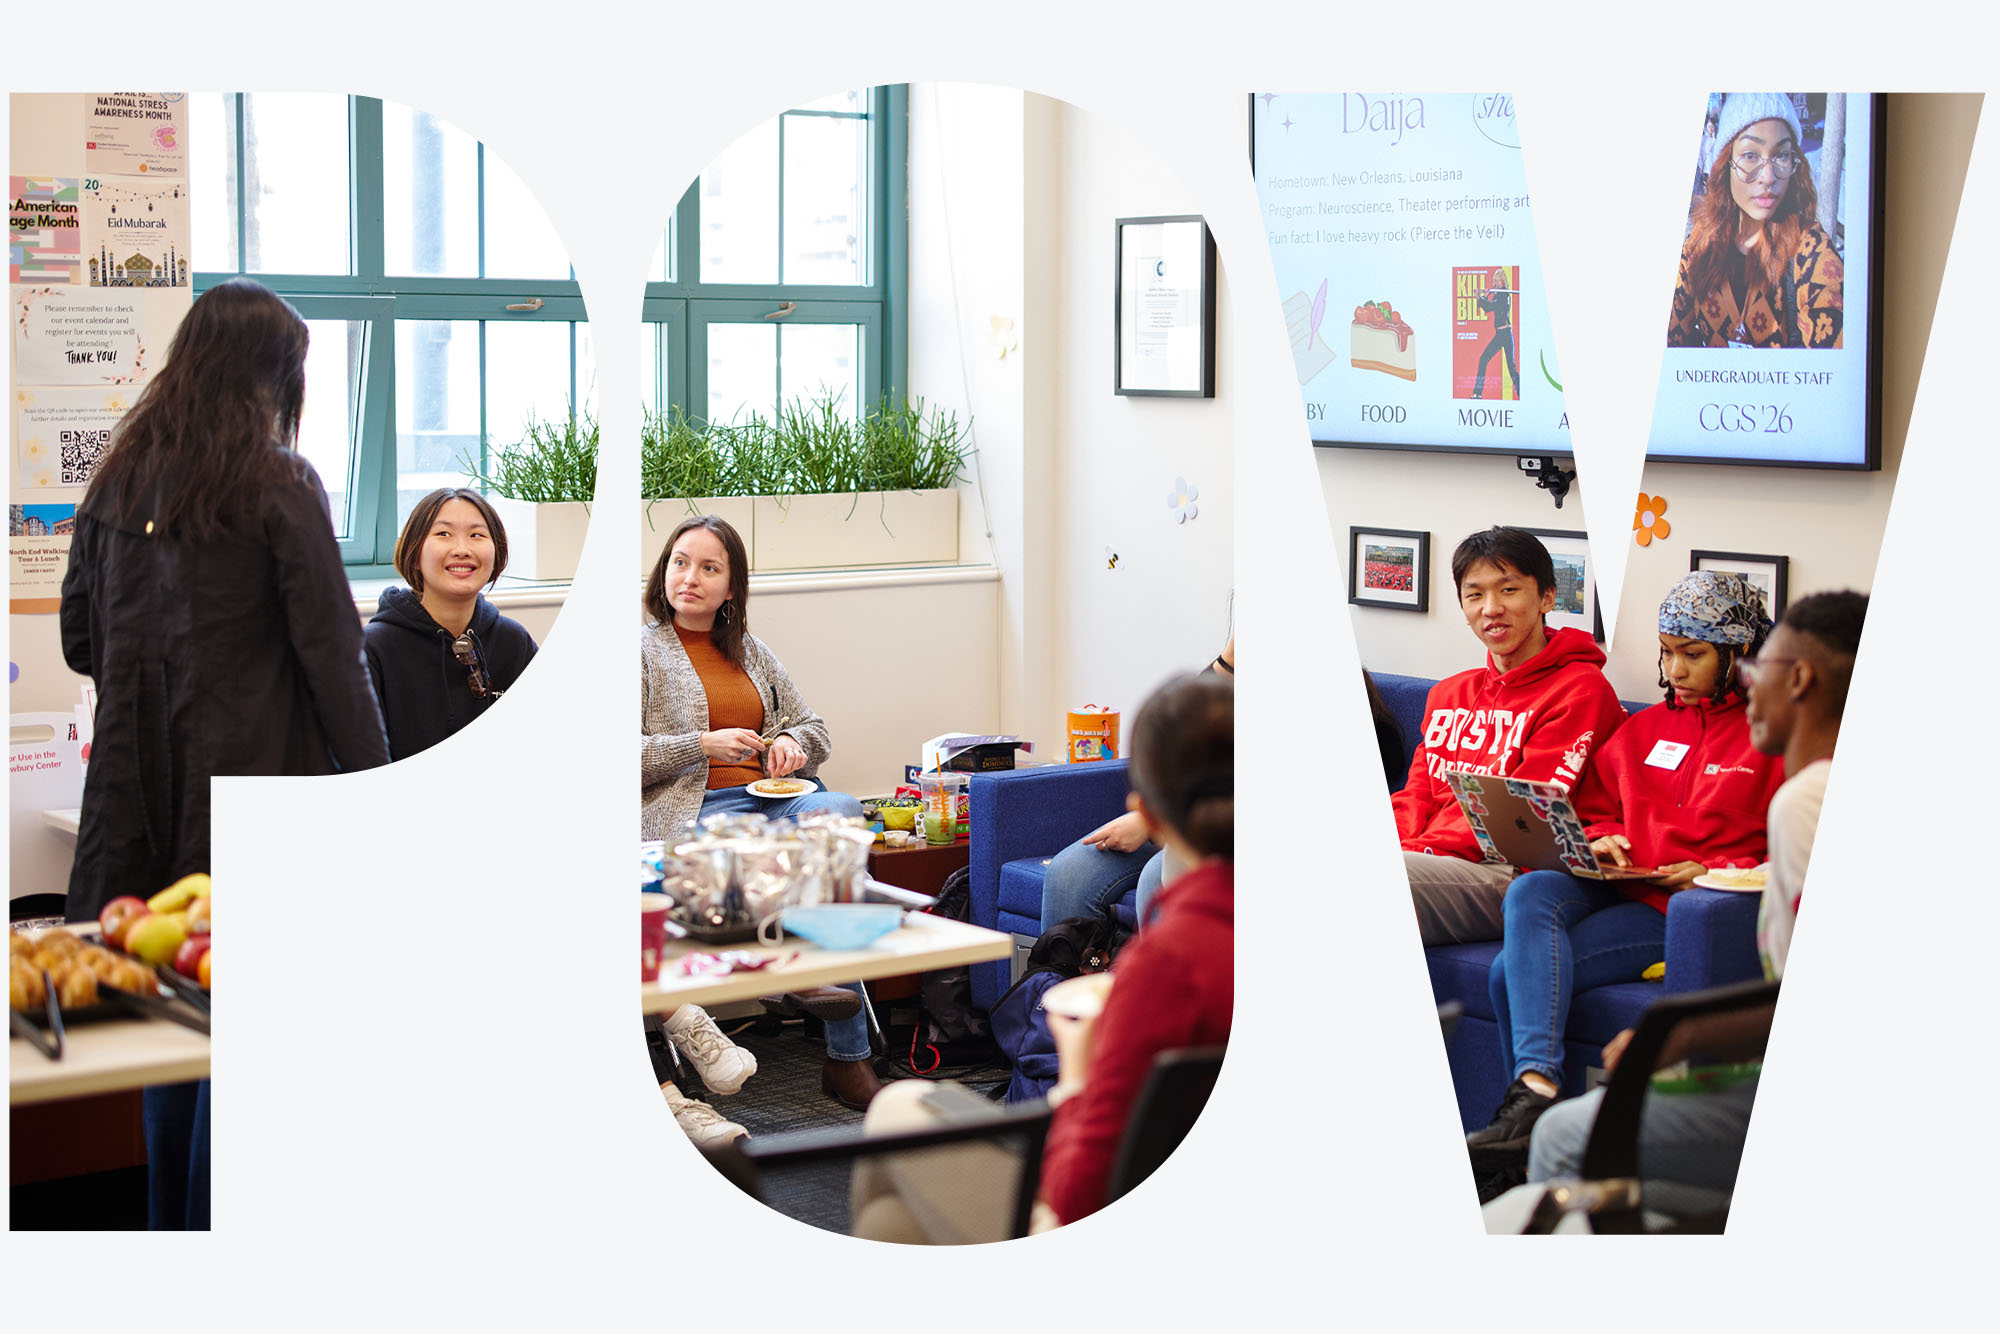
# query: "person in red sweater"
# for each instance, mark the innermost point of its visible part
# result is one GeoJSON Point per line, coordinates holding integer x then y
{"type": "Point", "coordinates": [1174, 986]}
{"type": "Point", "coordinates": [1680, 787]}
{"type": "Point", "coordinates": [1536, 710]}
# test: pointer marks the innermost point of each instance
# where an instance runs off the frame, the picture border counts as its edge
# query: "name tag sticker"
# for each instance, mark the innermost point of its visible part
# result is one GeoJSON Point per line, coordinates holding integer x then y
{"type": "Point", "coordinates": [1667, 754]}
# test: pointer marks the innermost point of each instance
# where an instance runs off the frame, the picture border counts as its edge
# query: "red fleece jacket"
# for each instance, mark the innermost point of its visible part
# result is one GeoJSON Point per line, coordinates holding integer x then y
{"type": "Point", "coordinates": [1708, 807]}
{"type": "Point", "coordinates": [1175, 986]}
{"type": "Point", "coordinates": [1540, 722]}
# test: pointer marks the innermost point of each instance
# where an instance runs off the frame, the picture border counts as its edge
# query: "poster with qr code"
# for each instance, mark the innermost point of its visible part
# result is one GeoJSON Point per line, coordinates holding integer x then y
{"type": "Point", "coordinates": [64, 432]}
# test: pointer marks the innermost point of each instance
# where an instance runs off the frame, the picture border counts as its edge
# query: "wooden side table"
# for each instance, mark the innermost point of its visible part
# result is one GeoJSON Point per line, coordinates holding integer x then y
{"type": "Point", "coordinates": [922, 868]}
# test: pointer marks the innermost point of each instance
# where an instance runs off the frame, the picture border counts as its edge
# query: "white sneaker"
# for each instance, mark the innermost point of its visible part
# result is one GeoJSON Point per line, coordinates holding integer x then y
{"type": "Point", "coordinates": [723, 1065]}
{"type": "Point", "coordinates": [700, 1122]}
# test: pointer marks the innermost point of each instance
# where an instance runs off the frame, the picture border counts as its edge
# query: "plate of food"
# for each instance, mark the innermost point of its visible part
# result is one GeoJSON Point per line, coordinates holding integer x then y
{"type": "Point", "coordinates": [1737, 879]}
{"type": "Point", "coordinates": [778, 789]}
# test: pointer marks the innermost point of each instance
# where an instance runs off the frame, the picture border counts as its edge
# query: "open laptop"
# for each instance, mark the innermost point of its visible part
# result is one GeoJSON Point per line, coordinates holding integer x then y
{"type": "Point", "coordinates": [1531, 825]}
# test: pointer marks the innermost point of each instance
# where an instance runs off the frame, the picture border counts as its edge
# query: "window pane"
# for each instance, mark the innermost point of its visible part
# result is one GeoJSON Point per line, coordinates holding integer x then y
{"type": "Point", "coordinates": [437, 406]}
{"type": "Point", "coordinates": [817, 360]}
{"type": "Point", "coordinates": [653, 372]}
{"type": "Point", "coordinates": [212, 175]}
{"type": "Point", "coordinates": [826, 217]}
{"type": "Point", "coordinates": [586, 370]}
{"type": "Point", "coordinates": [521, 242]}
{"type": "Point", "coordinates": [739, 211]}
{"type": "Point", "coordinates": [430, 195]}
{"type": "Point", "coordinates": [527, 373]}
{"type": "Point", "coordinates": [334, 361]}
{"type": "Point", "coordinates": [295, 183]}
{"type": "Point", "coordinates": [742, 361]}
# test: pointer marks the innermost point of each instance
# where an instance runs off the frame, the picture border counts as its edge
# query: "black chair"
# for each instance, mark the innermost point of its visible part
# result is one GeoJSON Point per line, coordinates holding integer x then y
{"type": "Point", "coordinates": [1721, 1024]}
{"type": "Point", "coordinates": [1169, 1103]}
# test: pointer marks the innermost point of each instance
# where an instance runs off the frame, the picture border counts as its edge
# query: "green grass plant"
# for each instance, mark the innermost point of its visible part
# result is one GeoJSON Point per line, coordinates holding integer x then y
{"type": "Point", "coordinates": [553, 461]}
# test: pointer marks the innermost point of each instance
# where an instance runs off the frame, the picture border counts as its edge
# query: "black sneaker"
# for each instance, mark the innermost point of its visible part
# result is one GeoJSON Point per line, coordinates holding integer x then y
{"type": "Point", "coordinates": [1511, 1125]}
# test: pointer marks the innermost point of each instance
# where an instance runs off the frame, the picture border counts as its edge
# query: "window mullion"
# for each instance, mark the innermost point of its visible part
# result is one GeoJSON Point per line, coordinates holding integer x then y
{"type": "Point", "coordinates": [365, 176]}
{"type": "Point", "coordinates": [242, 196]}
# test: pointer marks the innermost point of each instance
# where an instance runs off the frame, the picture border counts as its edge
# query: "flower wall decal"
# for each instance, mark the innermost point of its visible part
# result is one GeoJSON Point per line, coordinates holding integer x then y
{"type": "Point", "coordinates": [1182, 501]}
{"type": "Point", "coordinates": [1000, 335]}
{"type": "Point", "coordinates": [1650, 519]}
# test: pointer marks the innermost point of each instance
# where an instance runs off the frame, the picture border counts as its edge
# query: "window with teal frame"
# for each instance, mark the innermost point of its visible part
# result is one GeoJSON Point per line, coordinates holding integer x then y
{"type": "Point", "coordinates": [443, 308]}
{"type": "Point", "coordinates": [783, 273]}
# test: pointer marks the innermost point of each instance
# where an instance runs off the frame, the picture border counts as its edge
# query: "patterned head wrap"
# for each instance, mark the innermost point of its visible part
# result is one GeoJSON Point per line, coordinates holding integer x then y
{"type": "Point", "coordinates": [1716, 608]}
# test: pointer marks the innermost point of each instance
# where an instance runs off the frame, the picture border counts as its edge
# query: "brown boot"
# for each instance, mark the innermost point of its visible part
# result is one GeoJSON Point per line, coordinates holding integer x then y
{"type": "Point", "coordinates": [854, 1083]}
{"type": "Point", "coordinates": [826, 1004]}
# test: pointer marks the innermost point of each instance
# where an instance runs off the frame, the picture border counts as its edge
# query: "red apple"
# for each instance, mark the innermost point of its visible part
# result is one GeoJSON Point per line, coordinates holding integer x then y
{"type": "Point", "coordinates": [118, 916]}
{"type": "Point", "coordinates": [187, 959]}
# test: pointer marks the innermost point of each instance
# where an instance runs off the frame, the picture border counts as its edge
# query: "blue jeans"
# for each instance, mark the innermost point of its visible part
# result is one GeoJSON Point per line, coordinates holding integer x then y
{"type": "Point", "coordinates": [1563, 935]}
{"type": "Point", "coordinates": [175, 1118]}
{"type": "Point", "coordinates": [1083, 881]}
{"type": "Point", "coordinates": [846, 1039]}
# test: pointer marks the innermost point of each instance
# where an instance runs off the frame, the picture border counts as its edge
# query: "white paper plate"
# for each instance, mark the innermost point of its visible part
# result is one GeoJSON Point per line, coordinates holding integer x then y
{"type": "Point", "coordinates": [1710, 882]}
{"type": "Point", "coordinates": [760, 788]}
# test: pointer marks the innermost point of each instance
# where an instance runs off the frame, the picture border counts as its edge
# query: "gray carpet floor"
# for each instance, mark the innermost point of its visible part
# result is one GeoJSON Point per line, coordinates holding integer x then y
{"type": "Point", "coordinates": [784, 1096]}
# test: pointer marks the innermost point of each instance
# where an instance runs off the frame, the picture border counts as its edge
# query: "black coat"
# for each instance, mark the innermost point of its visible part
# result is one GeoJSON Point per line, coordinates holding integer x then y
{"type": "Point", "coordinates": [423, 689]}
{"type": "Point", "coordinates": [239, 656]}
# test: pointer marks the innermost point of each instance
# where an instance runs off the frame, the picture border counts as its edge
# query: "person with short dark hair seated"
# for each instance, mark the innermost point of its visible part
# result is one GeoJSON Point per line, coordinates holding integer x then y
{"type": "Point", "coordinates": [1690, 1142]}
{"type": "Point", "coordinates": [1679, 788]}
{"type": "Point", "coordinates": [1536, 711]}
{"type": "Point", "coordinates": [1173, 987]}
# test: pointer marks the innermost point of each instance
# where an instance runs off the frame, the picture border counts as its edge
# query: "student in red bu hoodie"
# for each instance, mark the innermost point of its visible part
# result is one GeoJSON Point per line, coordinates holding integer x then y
{"type": "Point", "coordinates": [1536, 710]}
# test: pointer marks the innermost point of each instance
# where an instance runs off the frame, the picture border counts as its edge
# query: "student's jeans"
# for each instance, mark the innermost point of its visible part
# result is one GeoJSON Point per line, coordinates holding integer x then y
{"type": "Point", "coordinates": [175, 1120]}
{"type": "Point", "coordinates": [846, 1039]}
{"type": "Point", "coordinates": [1563, 935]}
{"type": "Point", "coordinates": [1083, 881]}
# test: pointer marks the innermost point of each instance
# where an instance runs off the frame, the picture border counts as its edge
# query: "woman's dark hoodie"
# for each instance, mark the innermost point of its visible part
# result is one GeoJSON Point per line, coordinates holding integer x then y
{"type": "Point", "coordinates": [424, 690]}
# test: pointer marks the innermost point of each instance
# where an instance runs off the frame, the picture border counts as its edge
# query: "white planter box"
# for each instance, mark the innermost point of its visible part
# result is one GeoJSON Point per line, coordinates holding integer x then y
{"type": "Point", "coordinates": [657, 518]}
{"type": "Point", "coordinates": [871, 528]}
{"type": "Point", "coordinates": [543, 541]}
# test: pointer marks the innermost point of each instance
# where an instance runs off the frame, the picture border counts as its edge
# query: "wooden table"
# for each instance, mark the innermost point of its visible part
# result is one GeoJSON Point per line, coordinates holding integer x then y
{"type": "Point", "coordinates": [64, 821]}
{"type": "Point", "coordinates": [106, 1057]}
{"type": "Point", "coordinates": [921, 866]}
{"type": "Point", "coordinates": [922, 943]}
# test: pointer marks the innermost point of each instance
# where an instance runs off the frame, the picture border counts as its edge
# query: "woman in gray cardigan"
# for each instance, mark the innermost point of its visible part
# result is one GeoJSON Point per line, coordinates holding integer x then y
{"type": "Point", "coordinates": [718, 711]}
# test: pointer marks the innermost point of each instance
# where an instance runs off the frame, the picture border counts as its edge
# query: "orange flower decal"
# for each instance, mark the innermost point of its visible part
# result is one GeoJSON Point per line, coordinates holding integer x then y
{"type": "Point", "coordinates": [1650, 519]}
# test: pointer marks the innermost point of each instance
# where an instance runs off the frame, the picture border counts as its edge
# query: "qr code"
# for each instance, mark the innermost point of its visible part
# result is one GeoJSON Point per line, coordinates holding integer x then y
{"type": "Point", "coordinates": [80, 452]}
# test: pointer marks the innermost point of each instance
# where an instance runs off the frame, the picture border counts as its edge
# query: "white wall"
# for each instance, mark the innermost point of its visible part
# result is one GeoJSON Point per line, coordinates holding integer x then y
{"type": "Point", "coordinates": [1829, 523]}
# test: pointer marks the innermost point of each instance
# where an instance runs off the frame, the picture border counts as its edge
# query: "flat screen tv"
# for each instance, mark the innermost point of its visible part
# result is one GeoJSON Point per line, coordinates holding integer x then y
{"type": "Point", "coordinates": [1406, 259]}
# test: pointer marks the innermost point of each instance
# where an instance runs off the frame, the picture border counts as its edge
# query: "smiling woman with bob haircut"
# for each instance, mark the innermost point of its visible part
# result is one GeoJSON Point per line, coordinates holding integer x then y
{"type": "Point", "coordinates": [439, 653]}
{"type": "Point", "coordinates": [1757, 269]}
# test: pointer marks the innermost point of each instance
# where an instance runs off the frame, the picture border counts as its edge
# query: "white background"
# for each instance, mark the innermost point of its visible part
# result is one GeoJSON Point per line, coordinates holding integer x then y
{"type": "Point", "coordinates": [432, 1104]}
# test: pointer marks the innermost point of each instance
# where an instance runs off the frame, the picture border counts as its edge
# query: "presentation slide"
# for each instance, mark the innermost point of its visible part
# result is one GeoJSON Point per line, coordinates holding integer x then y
{"type": "Point", "coordinates": [1768, 335]}
{"type": "Point", "coordinates": [1405, 254]}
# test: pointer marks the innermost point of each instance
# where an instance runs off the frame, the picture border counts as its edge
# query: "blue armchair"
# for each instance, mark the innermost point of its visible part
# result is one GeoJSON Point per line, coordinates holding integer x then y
{"type": "Point", "coordinates": [1020, 819]}
{"type": "Point", "coordinates": [1711, 941]}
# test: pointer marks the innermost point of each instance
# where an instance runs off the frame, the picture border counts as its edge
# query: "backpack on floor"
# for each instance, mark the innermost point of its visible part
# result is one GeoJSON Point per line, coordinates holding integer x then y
{"type": "Point", "coordinates": [1070, 948]}
{"type": "Point", "coordinates": [950, 1032]}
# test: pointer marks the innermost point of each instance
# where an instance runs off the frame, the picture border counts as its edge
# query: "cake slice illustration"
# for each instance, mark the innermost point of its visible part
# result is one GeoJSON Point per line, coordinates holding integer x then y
{"type": "Point", "coordinates": [1379, 340]}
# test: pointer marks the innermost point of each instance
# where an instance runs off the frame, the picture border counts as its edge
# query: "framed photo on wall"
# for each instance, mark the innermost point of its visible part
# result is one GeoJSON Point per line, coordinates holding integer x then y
{"type": "Point", "coordinates": [1389, 568]}
{"type": "Point", "coordinates": [1164, 308]}
{"type": "Point", "coordinates": [1576, 585]}
{"type": "Point", "coordinates": [1766, 572]}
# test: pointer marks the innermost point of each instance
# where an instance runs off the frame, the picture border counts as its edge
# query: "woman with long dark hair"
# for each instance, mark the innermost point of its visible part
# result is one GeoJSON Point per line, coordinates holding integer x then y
{"type": "Point", "coordinates": [206, 599]}
{"type": "Point", "coordinates": [1757, 269]}
{"type": "Point", "coordinates": [719, 712]}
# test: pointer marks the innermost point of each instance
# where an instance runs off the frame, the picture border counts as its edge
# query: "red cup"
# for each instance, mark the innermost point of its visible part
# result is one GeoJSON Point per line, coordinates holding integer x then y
{"type": "Point", "coordinates": [652, 934]}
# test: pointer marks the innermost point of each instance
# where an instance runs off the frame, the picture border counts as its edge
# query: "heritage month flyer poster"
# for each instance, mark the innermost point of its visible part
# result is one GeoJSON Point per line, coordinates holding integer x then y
{"type": "Point", "coordinates": [136, 232]}
{"type": "Point", "coordinates": [136, 134]}
{"type": "Point", "coordinates": [44, 229]}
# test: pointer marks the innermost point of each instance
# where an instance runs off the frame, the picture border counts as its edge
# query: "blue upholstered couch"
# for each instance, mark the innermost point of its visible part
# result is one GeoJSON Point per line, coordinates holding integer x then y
{"type": "Point", "coordinates": [1020, 819]}
{"type": "Point", "coordinates": [1024, 817]}
{"type": "Point", "coordinates": [1711, 940]}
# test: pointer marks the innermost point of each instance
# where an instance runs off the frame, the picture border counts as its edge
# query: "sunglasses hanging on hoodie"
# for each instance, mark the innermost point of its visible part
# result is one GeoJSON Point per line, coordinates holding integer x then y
{"type": "Point", "coordinates": [430, 682]}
